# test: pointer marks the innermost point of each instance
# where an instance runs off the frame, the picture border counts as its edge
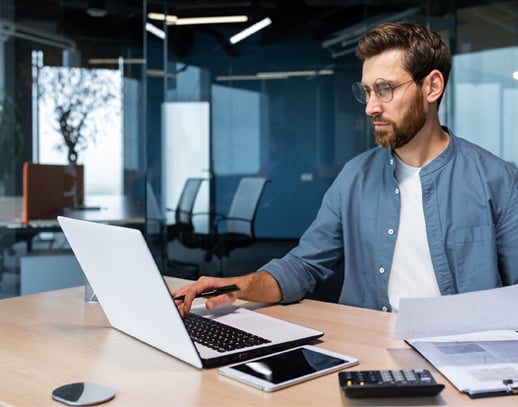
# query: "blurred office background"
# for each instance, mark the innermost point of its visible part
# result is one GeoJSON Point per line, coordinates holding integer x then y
{"type": "Point", "coordinates": [157, 98]}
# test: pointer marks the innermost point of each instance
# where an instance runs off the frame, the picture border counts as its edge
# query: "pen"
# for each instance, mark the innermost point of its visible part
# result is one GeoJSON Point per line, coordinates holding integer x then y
{"type": "Point", "coordinates": [211, 293]}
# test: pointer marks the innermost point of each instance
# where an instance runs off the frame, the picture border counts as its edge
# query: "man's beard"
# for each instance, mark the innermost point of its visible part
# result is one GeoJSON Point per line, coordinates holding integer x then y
{"type": "Point", "coordinates": [413, 121]}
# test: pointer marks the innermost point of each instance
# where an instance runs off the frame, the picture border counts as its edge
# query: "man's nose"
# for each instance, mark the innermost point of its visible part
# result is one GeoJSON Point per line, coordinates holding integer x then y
{"type": "Point", "coordinates": [373, 106]}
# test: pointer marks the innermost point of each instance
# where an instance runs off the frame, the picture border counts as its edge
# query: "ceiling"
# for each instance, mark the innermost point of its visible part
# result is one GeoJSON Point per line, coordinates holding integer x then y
{"type": "Point", "coordinates": [290, 17]}
{"type": "Point", "coordinates": [122, 24]}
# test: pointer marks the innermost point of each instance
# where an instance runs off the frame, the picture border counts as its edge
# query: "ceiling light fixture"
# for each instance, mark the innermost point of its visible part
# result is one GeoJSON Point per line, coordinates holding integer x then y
{"type": "Point", "coordinates": [515, 75]}
{"type": "Point", "coordinates": [265, 22]}
{"type": "Point", "coordinates": [153, 29]}
{"type": "Point", "coordinates": [174, 20]}
{"type": "Point", "coordinates": [96, 8]}
{"type": "Point", "coordinates": [115, 61]}
{"type": "Point", "coordinates": [212, 20]}
{"type": "Point", "coordinates": [169, 18]}
{"type": "Point", "coordinates": [276, 75]}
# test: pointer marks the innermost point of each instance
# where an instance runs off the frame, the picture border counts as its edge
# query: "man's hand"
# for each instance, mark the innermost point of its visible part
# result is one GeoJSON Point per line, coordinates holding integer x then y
{"type": "Point", "coordinates": [259, 286]}
{"type": "Point", "coordinates": [204, 284]}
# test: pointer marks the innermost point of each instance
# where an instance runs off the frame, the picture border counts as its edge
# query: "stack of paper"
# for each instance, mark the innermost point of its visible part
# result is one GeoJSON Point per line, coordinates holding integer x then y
{"type": "Point", "coordinates": [470, 338]}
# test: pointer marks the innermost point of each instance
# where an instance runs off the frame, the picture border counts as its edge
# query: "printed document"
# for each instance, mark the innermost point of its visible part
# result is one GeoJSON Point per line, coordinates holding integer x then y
{"type": "Point", "coordinates": [471, 338]}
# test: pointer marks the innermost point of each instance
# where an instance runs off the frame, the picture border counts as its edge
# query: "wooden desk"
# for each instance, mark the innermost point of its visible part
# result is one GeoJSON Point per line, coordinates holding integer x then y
{"type": "Point", "coordinates": [53, 338]}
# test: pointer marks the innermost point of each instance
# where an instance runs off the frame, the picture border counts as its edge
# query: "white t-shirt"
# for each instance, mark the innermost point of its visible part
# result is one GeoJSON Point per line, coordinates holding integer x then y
{"type": "Point", "coordinates": [412, 273]}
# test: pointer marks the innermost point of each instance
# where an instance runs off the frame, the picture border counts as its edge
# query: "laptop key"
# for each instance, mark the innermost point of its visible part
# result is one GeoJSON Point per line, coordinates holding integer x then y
{"type": "Point", "coordinates": [219, 336]}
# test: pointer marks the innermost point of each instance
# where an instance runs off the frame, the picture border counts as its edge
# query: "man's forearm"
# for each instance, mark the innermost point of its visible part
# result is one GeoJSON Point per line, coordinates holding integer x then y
{"type": "Point", "coordinates": [259, 287]}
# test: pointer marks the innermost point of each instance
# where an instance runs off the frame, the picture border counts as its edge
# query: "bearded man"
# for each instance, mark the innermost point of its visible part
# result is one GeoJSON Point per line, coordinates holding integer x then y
{"type": "Point", "coordinates": [424, 214]}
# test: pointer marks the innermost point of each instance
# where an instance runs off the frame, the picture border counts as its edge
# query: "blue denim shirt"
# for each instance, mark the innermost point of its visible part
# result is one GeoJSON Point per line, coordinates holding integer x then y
{"type": "Point", "coordinates": [470, 203]}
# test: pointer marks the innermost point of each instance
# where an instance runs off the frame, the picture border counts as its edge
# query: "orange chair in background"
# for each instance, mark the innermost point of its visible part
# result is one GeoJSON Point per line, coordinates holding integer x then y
{"type": "Point", "coordinates": [48, 189]}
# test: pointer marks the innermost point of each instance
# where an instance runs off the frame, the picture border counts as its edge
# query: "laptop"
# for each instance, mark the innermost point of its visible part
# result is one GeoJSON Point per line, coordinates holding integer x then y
{"type": "Point", "coordinates": [136, 300]}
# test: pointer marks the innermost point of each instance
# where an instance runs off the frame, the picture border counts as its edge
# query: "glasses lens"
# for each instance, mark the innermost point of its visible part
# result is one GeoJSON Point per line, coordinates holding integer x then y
{"type": "Point", "coordinates": [383, 90]}
{"type": "Point", "coordinates": [360, 93]}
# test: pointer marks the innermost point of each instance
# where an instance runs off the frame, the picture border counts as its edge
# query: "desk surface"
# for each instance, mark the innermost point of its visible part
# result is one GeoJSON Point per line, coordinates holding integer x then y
{"type": "Point", "coordinates": [54, 338]}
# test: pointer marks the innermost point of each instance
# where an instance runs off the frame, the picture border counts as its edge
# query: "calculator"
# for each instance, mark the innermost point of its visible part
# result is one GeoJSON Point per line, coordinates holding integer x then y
{"type": "Point", "coordinates": [389, 383]}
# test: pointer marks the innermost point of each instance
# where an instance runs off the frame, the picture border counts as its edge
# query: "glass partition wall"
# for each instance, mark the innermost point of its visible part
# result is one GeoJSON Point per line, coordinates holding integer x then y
{"type": "Point", "coordinates": [71, 87]}
{"type": "Point", "coordinates": [188, 100]}
{"type": "Point", "coordinates": [279, 104]}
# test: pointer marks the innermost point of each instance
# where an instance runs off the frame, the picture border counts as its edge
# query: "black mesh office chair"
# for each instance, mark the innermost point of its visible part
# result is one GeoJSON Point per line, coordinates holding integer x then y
{"type": "Point", "coordinates": [183, 211]}
{"type": "Point", "coordinates": [236, 229]}
{"type": "Point", "coordinates": [183, 216]}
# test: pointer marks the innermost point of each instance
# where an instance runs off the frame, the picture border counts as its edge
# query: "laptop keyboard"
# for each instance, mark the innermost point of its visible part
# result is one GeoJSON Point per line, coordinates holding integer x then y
{"type": "Point", "coordinates": [219, 336]}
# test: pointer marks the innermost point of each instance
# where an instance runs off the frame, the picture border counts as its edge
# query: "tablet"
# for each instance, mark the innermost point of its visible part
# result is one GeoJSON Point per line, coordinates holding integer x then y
{"type": "Point", "coordinates": [283, 369]}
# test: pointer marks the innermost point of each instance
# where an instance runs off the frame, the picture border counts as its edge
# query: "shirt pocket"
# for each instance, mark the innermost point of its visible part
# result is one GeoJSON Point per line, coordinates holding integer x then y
{"type": "Point", "coordinates": [476, 259]}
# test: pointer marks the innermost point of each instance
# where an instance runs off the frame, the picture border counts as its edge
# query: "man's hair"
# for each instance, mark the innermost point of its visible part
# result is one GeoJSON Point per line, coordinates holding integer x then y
{"type": "Point", "coordinates": [423, 49]}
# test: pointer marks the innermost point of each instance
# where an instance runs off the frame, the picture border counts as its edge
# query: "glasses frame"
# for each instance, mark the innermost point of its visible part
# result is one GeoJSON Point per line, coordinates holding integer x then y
{"type": "Point", "coordinates": [362, 93]}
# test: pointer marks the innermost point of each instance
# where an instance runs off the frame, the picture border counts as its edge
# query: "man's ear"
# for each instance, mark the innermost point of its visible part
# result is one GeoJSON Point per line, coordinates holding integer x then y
{"type": "Point", "coordinates": [433, 85]}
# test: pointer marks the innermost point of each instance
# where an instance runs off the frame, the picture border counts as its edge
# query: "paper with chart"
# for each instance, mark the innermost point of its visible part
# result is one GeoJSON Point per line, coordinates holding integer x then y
{"type": "Point", "coordinates": [479, 363]}
{"type": "Point", "coordinates": [471, 339]}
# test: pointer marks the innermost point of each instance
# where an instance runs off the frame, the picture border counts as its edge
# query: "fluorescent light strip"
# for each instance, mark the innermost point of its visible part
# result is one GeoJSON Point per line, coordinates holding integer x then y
{"type": "Point", "coordinates": [265, 22]}
{"type": "Point", "coordinates": [211, 20]}
{"type": "Point", "coordinates": [170, 19]}
{"type": "Point", "coordinates": [174, 20]}
{"type": "Point", "coordinates": [158, 73]}
{"type": "Point", "coordinates": [275, 75]}
{"type": "Point", "coordinates": [113, 61]}
{"type": "Point", "coordinates": [153, 29]}
{"type": "Point", "coordinates": [237, 78]}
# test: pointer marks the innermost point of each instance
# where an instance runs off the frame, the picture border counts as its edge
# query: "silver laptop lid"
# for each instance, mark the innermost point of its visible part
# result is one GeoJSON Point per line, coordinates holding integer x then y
{"type": "Point", "coordinates": [119, 266]}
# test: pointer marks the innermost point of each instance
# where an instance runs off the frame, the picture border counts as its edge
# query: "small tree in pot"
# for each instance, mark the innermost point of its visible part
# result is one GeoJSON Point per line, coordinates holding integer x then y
{"type": "Point", "coordinates": [75, 94]}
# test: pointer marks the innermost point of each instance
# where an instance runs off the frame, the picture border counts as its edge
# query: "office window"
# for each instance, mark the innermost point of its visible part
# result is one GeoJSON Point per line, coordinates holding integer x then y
{"type": "Point", "coordinates": [185, 154]}
{"type": "Point", "coordinates": [74, 97]}
{"type": "Point", "coordinates": [487, 76]}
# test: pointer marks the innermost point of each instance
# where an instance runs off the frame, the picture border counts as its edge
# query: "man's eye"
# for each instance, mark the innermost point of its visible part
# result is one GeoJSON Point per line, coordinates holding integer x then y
{"type": "Point", "coordinates": [383, 89]}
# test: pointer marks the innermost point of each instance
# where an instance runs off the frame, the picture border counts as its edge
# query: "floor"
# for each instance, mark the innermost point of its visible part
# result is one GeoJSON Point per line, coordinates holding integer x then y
{"type": "Point", "coordinates": [10, 260]}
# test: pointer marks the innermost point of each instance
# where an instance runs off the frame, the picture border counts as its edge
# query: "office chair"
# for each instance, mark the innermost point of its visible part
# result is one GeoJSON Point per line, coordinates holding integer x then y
{"type": "Point", "coordinates": [236, 229]}
{"type": "Point", "coordinates": [183, 216]}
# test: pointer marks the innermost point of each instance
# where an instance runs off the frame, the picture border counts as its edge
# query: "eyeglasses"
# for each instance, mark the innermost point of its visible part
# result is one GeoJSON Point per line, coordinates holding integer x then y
{"type": "Point", "coordinates": [382, 88]}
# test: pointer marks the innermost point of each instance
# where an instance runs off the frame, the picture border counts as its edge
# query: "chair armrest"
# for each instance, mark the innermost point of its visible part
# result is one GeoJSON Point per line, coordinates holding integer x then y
{"type": "Point", "coordinates": [217, 216]}
{"type": "Point", "coordinates": [224, 222]}
{"type": "Point", "coordinates": [224, 219]}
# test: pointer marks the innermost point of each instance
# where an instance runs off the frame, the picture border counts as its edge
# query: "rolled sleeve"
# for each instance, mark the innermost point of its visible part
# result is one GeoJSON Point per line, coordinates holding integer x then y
{"type": "Point", "coordinates": [316, 257]}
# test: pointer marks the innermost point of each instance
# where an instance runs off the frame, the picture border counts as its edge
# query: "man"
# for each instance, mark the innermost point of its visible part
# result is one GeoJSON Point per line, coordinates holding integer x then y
{"type": "Point", "coordinates": [426, 214]}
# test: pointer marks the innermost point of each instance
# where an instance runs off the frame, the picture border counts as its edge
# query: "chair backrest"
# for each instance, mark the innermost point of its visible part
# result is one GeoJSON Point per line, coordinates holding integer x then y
{"type": "Point", "coordinates": [48, 188]}
{"type": "Point", "coordinates": [187, 199]}
{"type": "Point", "coordinates": [243, 208]}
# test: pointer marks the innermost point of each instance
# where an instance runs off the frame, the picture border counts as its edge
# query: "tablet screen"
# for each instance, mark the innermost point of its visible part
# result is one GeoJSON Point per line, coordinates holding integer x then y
{"type": "Point", "coordinates": [289, 365]}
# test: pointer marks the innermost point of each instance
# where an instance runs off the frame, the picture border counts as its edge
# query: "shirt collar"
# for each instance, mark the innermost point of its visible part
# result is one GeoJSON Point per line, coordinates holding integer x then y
{"type": "Point", "coordinates": [438, 162]}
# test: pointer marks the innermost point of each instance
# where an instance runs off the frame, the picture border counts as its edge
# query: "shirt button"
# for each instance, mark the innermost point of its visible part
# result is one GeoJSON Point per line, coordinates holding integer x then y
{"type": "Point", "coordinates": [390, 232]}
{"type": "Point", "coordinates": [396, 191]}
{"type": "Point", "coordinates": [384, 309]}
{"type": "Point", "coordinates": [382, 270]}
{"type": "Point", "coordinates": [391, 161]}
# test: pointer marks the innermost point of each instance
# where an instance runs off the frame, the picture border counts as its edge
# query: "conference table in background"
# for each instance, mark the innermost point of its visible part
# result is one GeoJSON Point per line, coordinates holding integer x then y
{"type": "Point", "coordinates": [112, 209]}
{"type": "Point", "coordinates": [116, 209]}
{"type": "Point", "coordinates": [54, 338]}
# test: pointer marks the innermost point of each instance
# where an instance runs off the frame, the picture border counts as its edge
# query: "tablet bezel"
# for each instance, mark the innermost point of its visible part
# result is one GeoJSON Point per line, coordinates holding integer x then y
{"type": "Point", "coordinates": [265, 385]}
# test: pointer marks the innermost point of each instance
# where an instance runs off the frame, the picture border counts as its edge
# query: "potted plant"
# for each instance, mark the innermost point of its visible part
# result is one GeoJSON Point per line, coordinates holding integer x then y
{"type": "Point", "coordinates": [75, 94]}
